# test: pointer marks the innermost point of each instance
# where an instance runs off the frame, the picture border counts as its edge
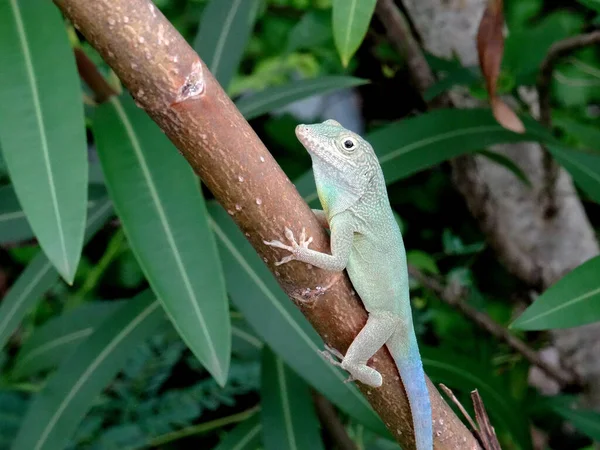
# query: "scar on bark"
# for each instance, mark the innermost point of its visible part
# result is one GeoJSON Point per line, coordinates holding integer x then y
{"type": "Point", "coordinates": [193, 86]}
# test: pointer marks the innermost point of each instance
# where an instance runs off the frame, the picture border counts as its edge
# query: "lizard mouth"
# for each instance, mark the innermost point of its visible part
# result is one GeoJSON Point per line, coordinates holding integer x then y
{"type": "Point", "coordinates": [313, 142]}
{"type": "Point", "coordinates": [303, 133]}
{"type": "Point", "coordinates": [308, 139]}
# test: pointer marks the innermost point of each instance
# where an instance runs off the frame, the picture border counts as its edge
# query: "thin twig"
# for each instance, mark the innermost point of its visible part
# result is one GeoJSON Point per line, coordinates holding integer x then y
{"type": "Point", "coordinates": [455, 297]}
{"type": "Point", "coordinates": [400, 35]}
{"type": "Point", "coordinates": [90, 74]}
{"type": "Point", "coordinates": [544, 82]}
{"type": "Point", "coordinates": [459, 405]}
{"type": "Point", "coordinates": [201, 428]}
{"type": "Point", "coordinates": [332, 423]}
{"type": "Point", "coordinates": [486, 430]}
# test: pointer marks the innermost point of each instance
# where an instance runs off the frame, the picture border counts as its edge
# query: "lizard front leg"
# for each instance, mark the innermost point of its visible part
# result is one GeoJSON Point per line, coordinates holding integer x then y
{"type": "Point", "coordinates": [341, 245]}
{"type": "Point", "coordinates": [321, 217]}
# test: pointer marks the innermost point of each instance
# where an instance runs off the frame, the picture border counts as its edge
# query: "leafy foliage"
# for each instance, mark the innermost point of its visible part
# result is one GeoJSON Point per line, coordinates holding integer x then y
{"type": "Point", "coordinates": [203, 344]}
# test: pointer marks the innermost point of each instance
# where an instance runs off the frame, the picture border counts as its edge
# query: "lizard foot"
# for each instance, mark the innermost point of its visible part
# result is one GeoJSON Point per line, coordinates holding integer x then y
{"type": "Point", "coordinates": [294, 249]}
{"type": "Point", "coordinates": [329, 351]}
{"type": "Point", "coordinates": [330, 354]}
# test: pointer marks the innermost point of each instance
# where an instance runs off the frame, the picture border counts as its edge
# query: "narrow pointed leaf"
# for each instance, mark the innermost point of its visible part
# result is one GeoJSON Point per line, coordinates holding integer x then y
{"type": "Point", "coordinates": [583, 166]}
{"type": "Point", "coordinates": [58, 337]}
{"type": "Point", "coordinates": [246, 436]}
{"type": "Point", "coordinates": [244, 341]}
{"type": "Point", "coordinates": [287, 411]}
{"type": "Point", "coordinates": [254, 105]}
{"type": "Point", "coordinates": [507, 163]}
{"type": "Point", "coordinates": [255, 292]}
{"type": "Point", "coordinates": [14, 226]}
{"type": "Point", "coordinates": [411, 145]}
{"type": "Point", "coordinates": [467, 374]}
{"type": "Point", "coordinates": [587, 135]}
{"type": "Point", "coordinates": [42, 130]}
{"type": "Point", "coordinates": [69, 393]}
{"type": "Point", "coordinates": [39, 276]}
{"type": "Point", "coordinates": [586, 421]}
{"type": "Point", "coordinates": [455, 77]}
{"type": "Point", "coordinates": [159, 201]}
{"type": "Point", "coordinates": [312, 30]}
{"type": "Point", "coordinates": [351, 20]}
{"type": "Point", "coordinates": [224, 31]}
{"type": "Point", "coordinates": [592, 4]}
{"type": "Point", "coordinates": [572, 301]}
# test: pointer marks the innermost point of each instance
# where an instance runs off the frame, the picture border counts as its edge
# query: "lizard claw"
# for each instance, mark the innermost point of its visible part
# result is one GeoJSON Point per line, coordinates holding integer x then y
{"type": "Point", "coordinates": [333, 351]}
{"type": "Point", "coordinates": [330, 354]}
{"type": "Point", "coordinates": [279, 244]}
{"type": "Point", "coordinates": [349, 379]}
{"type": "Point", "coordinates": [295, 248]}
{"type": "Point", "coordinates": [325, 354]}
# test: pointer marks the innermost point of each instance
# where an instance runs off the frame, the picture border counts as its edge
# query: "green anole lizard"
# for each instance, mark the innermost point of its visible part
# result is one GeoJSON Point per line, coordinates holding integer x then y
{"type": "Point", "coordinates": [366, 241]}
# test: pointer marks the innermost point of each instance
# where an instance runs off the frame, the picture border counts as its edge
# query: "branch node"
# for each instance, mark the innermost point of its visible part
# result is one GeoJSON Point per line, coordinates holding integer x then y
{"type": "Point", "coordinates": [193, 86]}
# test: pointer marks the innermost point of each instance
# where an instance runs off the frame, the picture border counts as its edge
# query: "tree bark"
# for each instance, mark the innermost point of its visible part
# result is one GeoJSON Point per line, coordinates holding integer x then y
{"type": "Point", "coordinates": [170, 82]}
{"type": "Point", "coordinates": [537, 249]}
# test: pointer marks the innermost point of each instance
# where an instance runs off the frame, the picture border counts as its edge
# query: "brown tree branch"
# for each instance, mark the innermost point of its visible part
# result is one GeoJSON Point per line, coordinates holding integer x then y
{"type": "Point", "coordinates": [399, 34]}
{"type": "Point", "coordinates": [332, 423]}
{"type": "Point", "coordinates": [176, 89]}
{"type": "Point", "coordinates": [486, 430]}
{"type": "Point", "coordinates": [454, 296]}
{"type": "Point", "coordinates": [544, 81]}
{"type": "Point", "coordinates": [401, 37]}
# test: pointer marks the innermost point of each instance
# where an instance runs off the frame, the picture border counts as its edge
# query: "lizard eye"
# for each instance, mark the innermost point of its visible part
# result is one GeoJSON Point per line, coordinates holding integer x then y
{"type": "Point", "coordinates": [349, 144]}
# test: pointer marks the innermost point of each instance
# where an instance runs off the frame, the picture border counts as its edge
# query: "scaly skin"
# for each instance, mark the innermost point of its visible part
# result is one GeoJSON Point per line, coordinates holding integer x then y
{"type": "Point", "coordinates": [366, 241]}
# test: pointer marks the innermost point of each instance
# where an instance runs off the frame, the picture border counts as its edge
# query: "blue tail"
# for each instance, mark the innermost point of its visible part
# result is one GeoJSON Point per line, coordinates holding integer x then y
{"type": "Point", "coordinates": [405, 352]}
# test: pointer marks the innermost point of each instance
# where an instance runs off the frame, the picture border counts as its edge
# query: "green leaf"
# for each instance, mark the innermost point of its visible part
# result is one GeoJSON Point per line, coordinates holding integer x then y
{"type": "Point", "coordinates": [58, 408]}
{"type": "Point", "coordinates": [572, 301]}
{"type": "Point", "coordinates": [575, 82]}
{"type": "Point", "coordinates": [587, 135]}
{"type": "Point", "coordinates": [586, 421]}
{"type": "Point", "coordinates": [288, 414]}
{"type": "Point", "coordinates": [225, 29]}
{"type": "Point", "coordinates": [254, 105]}
{"type": "Point", "coordinates": [42, 131]}
{"type": "Point", "coordinates": [592, 4]}
{"type": "Point", "coordinates": [158, 198]}
{"type": "Point", "coordinates": [351, 20]}
{"type": "Point", "coordinates": [467, 374]}
{"type": "Point", "coordinates": [39, 277]}
{"type": "Point", "coordinates": [244, 341]}
{"type": "Point", "coordinates": [411, 145]}
{"type": "Point", "coordinates": [312, 30]}
{"type": "Point", "coordinates": [258, 296]}
{"type": "Point", "coordinates": [58, 337]}
{"type": "Point", "coordinates": [246, 436]}
{"type": "Point", "coordinates": [583, 166]}
{"type": "Point", "coordinates": [457, 77]}
{"type": "Point", "coordinates": [525, 49]}
{"type": "Point", "coordinates": [422, 260]}
{"type": "Point", "coordinates": [507, 163]}
{"type": "Point", "coordinates": [14, 226]}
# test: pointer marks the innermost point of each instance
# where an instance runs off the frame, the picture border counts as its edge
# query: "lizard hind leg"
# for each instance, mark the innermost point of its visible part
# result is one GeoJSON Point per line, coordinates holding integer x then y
{"type": "Point", "coordinates": [373, 336]}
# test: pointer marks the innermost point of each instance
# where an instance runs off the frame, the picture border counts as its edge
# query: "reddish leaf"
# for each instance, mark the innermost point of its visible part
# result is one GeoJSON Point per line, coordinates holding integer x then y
{"type": "Point", "coordinates": [490, 47]}
{"type": "Point", "coordinates": [506, 116]}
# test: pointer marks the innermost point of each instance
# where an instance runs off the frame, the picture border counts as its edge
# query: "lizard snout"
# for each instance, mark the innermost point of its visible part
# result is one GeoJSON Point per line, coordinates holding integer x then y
{"type": "Point", "coordinates": [302, 131]}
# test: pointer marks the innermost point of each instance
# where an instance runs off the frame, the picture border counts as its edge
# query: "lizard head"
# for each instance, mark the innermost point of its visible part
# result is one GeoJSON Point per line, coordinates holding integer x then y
{"type": "Point", "coordinates": [343, 163]}
{"type": "Point", "coordinates": [344, 153]}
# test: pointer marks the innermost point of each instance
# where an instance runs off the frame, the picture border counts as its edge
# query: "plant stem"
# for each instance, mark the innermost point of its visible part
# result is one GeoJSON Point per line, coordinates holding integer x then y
{"type": "Point", "coordinates": [203, 427]}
